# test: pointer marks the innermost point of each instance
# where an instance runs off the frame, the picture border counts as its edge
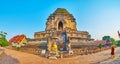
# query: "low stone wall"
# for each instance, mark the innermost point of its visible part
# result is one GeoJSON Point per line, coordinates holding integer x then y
{"type": "Point", "coordinates": [88, 50]}
{"type": "Point", "coordinates": [77, 50]}
{"type": "Point", "coordinates": [32, 49]}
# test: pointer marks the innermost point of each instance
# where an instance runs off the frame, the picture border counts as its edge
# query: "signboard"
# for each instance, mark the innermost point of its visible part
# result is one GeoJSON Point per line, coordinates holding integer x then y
{"type": "Point", "coordinates": [43, 52]}
{"type": "Point", "coordinates": [65, 41]}
{"type": "Point", "coordinates": [70, 52]}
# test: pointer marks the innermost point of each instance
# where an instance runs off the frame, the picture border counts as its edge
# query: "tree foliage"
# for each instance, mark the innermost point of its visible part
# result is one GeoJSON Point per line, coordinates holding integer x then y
{"type": "Point", "coordinates": [118, 43]}
{"type": "Point", "coordinates": [106, 38]}
{"type": "Point", "coordinates": [3, 40]}
{"type": "Point", "coordinates": [113, 41]}
{"type": "Point", "coordinates": [100, 46]}
{"type": "Point", "coordinates": [109, 39]}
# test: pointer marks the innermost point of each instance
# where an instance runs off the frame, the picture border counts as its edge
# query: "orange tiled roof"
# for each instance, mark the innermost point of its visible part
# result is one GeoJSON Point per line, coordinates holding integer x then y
{"type": "Point", "coordinates": [17, 38]}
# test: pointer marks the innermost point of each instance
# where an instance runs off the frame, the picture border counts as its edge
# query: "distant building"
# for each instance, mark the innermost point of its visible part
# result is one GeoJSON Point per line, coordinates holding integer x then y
{"type": "Point", "coordinates": [58, 22]}
{"type": "Point", "coordinates": [97, 42]}
{"type": "Point", "coordinates": [19, 39]}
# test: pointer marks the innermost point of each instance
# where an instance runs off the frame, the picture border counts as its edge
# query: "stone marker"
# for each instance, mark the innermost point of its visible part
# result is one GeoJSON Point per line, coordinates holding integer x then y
{"type": "Point", "coordinates": [70, 52]}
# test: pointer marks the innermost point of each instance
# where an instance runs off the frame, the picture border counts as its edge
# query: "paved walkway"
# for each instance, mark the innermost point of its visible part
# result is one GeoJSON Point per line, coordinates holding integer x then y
{"type": "Point", "coordinates": [102, 57]}
{"type": "Point", "coordinates": [109, 60]}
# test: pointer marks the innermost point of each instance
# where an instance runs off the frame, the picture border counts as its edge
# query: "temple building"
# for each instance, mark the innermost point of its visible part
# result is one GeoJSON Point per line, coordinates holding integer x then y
{"type": "Point", "coordinates": [18, 39]}
{"type": "Point", "coordinates": [59, 21]}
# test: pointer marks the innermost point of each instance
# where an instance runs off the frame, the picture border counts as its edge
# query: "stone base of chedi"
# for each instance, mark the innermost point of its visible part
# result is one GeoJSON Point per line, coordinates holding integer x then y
{"type": "Point", "coordinates": [62, 21]}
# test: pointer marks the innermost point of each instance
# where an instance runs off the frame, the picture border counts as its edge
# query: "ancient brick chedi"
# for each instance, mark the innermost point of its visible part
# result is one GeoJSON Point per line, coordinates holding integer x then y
{"type": "Point", "coordinates": [61, 20]}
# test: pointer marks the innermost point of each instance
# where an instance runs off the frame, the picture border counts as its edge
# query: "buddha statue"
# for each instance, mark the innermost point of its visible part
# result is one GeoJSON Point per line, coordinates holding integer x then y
{"type": "Point", "coordinates": [54, 47]}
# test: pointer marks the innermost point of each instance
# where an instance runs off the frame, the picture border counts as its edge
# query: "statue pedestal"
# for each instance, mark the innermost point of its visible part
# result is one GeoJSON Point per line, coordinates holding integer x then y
{"type": "Point", "coordinates": [61, 54]}
{"type": "Point", "coordinates": [53, 55]}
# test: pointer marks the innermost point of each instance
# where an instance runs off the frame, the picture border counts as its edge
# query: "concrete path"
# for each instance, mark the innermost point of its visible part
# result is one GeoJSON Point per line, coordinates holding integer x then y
{"type": "Point", "coordinates": [109, 60]}
{"type": "Point", "coordinates": [17, 57]}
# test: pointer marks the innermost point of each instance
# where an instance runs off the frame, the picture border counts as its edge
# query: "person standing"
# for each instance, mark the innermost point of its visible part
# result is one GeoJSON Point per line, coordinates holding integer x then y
{"type": "Point", "coordinates": [112, 51]}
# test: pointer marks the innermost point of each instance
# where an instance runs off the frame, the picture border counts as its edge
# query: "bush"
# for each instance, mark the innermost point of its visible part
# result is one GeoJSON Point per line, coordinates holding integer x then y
{"type": "Point", "coordinates": [100, 46]}
{"type": "Point", "coordinates": [4, 42]}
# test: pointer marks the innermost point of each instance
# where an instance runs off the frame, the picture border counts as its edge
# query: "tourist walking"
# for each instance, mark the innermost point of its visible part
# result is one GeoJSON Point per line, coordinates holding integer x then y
{"type": "Point", "coordinates": [112, 51]}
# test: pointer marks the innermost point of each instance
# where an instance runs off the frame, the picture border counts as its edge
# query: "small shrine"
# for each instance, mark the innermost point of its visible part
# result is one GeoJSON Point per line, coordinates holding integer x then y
{"type": "Point", "coordinates": [58, 44]}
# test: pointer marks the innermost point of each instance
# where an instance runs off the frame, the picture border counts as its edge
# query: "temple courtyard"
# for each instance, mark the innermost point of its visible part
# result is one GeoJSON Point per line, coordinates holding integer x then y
{"type": "Point", "coordinates": [60, 43]}
{"type": "Point", "coordinates": [8, 56]}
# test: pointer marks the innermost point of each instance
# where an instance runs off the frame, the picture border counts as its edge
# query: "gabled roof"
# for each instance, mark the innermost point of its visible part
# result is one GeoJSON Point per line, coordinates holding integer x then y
{"type": "Point", "coordinates": [17, 38]}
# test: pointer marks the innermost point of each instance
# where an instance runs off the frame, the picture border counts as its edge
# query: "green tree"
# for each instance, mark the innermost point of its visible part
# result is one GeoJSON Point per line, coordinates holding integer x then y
{"type": "Point", "coordinates": [3, 40]}
{"type": "Point", "coordinates": [118, 43]}
{"type": "Point", "coordinates": [113, 41]}
{"type": "Point", "coordinates": [100, 46]}
{"type": "Point", "coordinates": [106, 38]}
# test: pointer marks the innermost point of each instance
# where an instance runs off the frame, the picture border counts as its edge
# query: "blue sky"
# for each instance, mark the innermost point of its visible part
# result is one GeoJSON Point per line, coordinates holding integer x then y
{"type": "Point", "coordinates": [98, 17]}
